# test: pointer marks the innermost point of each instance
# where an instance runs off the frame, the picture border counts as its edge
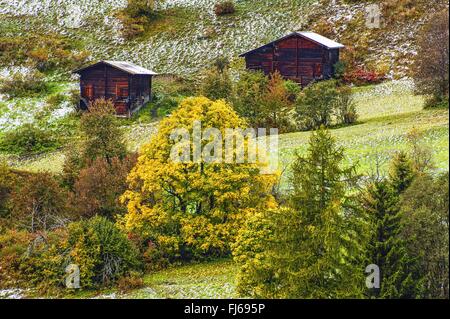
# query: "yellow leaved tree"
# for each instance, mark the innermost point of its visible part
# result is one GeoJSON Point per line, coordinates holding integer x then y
{"type": "Point", "coordinates": [193, 209]}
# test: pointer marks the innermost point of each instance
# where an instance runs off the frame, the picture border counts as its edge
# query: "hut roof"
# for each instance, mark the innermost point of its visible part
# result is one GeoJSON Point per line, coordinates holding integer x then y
{"type": "Point", "coordinates": [317, 38]}
{"type": "Point", "coordinates": [127, 67]}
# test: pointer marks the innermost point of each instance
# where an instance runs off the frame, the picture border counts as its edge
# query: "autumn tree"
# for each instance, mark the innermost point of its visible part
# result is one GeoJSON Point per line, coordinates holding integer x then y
{"type": "Point", "coordinates": [431, 65]}
{"type": "Point", "coordinates": [277, 108]}
{"type": "Point", "coordinates": [311, 248]}
{"type": "Point", "coordinates": [193, 208]}
{"type": "Point", "coordinates": [40, 203]}
{"type": "Point", "coordinates": [101, 137]}
{"type": "Point", "coordinates": [420, 152]}
{"type": "Point", "coordinates": [265, 102]}
{"type": "Point", "coordinates": [345, 107]}
{"type": "Point", "coordinates": [98, 187]}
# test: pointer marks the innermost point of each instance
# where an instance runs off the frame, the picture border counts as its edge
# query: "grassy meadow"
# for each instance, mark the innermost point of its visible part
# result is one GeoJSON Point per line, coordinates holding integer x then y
{"type": "Point", "coordinates": [387, 112]}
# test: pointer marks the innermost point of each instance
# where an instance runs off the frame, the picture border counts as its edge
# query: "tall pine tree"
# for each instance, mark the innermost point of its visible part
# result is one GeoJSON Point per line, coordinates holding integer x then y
{"type": "Point", "coordinates": [312, 247]}
{"type": "Point", "coordinates": [387, 249]}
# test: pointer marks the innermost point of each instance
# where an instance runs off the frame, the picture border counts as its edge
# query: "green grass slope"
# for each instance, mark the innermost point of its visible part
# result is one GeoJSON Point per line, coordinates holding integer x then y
{"type": "Point", "coordinates": [387, 113]}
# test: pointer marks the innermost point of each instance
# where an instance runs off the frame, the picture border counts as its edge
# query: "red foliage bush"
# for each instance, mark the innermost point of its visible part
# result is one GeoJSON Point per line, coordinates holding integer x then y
{"type": "Point", "coordinates": [361, 76]}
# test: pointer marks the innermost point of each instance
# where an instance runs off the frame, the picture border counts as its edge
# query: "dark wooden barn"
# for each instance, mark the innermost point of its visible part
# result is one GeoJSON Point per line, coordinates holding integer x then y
{"type": "Point", "coordinates": [129, 86]}
{"type": "Point", "coordinates": [299, 56]}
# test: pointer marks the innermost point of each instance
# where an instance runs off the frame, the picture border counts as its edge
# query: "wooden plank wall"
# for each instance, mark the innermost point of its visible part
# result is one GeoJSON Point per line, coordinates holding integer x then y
{"type": "Point", "coordinates": [124, 89]}
{"type": "Point", "coordinates": [296, 58]}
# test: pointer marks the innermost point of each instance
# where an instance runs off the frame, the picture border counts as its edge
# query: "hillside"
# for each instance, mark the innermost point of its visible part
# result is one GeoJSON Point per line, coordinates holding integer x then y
{"type": "Point", "coordinates": [180, 42]}
{"type": "Point", "coordinates": [94, 205]}
{"type": "Point", "coordinates": [186, 37]}
{"type": "Point", "coordinates": [188, 34]}
{"type": "Point", "coordinates": [388, 111]}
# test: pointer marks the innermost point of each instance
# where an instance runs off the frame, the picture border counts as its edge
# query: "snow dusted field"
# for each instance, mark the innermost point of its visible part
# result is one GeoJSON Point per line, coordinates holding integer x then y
{"type": "Point", "coordinates": [13, 293]}
{"type": "Point", "coordinates": [164, 52]}
{"type": "Point", "coordinates": [17, 111]}
{"type": "Point", "coordinates": [183, 52]}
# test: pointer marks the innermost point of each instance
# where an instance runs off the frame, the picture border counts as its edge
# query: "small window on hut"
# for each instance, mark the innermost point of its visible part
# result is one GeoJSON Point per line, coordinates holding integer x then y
{"type": "Point", "coordinates": [89, 91]}
{"type": "Point", "coordinates": [121, 91]}
{"type": "Point", "coordinates": [318, 69]}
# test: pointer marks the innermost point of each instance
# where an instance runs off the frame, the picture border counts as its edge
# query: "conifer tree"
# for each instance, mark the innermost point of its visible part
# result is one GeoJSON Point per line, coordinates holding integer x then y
{"type": "Point", "coordinates": [387, 249]}
{"type": "Point", "coordinates": [401, 172]}
{"type": "Point", "coordinates": [311, 248]}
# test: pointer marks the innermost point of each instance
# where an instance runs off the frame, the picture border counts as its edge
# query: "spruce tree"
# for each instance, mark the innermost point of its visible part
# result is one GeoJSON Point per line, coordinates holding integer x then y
{"type": "Point", "coordinates": [315, 247]}
{"type": "Point", "coordinates": [401, 172]}
{"type": "Point", "coordinates": [387, 249]}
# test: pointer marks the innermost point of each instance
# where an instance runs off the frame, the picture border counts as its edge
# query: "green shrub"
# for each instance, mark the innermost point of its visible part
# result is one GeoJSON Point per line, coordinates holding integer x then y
{"type": "Point", "coordinates": [248, 94]}
{"type": "Point", "coordinates": [339, 69]}
{"type": "Point", "coordinates": [315, 105]}
{"type": "Point", "coordinates": [45, 52]}
{"type": "Point", "coordinates": [224, 7]}
{"type": "Point", "coordinates": [320, 102]}
{"type": "Point", "coordinates": [141, 8]}
{"type": "Point", "coordinates": [102, 252]}
{"type": "Point", "coordinates": [293, 90]}
{"type": "Point", "coordinates": [424, 213]}
{"type": "Point", "coordinates": [173, 85]}
{"type": "Point", "coordinates": [28, 140]}
{"type": "Point", "coordinates": [20, 85]}
{"type": "Point", "coordinates": [217, 85]}
{"type": "Point", "coordinates": [437, 103]}
{"type": "Point", "coordinates": [136, 15]}
{"type": "Point", "coordinates": [43, 264]}
{"type": "Point", "coordinates": [13, 245]}
{"type": "Point", "coordinates": [32, 260]}
{"type": "Point", "coordinates": [345, 107]}
{"type": "Point", "coordinates": [164, 105]}
{"type": "Point", "coordinates": [53, 101]}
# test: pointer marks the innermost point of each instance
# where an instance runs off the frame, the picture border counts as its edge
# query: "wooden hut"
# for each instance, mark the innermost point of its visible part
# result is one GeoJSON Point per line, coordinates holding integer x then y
{"type": "Point", "coordinates": [129, 86]}
{"type": "Point", "coordinates": [298, 56]}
